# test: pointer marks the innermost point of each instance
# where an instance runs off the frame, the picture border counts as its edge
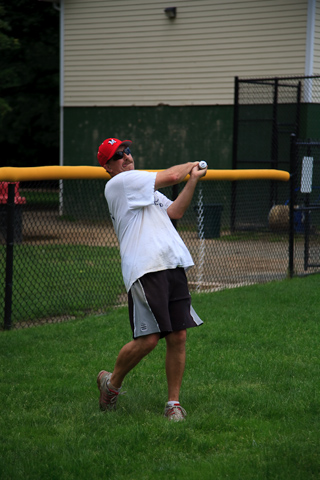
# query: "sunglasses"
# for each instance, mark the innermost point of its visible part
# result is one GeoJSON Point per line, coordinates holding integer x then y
{"type": "Point", "coordinates": [119, 155]}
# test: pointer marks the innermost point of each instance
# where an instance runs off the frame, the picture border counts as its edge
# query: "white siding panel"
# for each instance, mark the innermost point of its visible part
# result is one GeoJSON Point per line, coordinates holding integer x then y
{"type": "Point", "coordinates": [316, 58]}
{"type": "Point", "coordinates": [127, 52]}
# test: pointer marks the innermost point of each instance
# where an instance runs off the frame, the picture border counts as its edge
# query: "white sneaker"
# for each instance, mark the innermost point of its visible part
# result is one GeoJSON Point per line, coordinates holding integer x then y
{"type": "Point", "coordinates": [175, 412]}
{"type": "Point", "coordinates": [108, 398]}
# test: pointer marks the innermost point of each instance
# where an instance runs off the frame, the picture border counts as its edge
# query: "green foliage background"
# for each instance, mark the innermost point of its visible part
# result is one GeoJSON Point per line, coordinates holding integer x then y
{"type": "Point", "coordinates": [29, 83]}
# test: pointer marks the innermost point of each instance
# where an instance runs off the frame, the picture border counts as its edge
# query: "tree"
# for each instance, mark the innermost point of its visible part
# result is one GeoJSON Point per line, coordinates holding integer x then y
{"type": "Point", "coordinates": [7, 44]}
{"type": "Point", "coordinates": [29, 83]}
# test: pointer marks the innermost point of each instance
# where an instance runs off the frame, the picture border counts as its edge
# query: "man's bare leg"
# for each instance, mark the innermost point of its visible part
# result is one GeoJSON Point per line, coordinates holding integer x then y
{"type": "Point", "coordinates": [175, 362]}
{"type": "Point", "coordinates": [130, 355]}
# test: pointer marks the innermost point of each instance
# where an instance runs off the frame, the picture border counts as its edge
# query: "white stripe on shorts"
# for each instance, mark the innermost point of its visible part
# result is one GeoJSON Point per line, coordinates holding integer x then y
{"type": "Point", "coordinates": [144, 322]}
{"type": "Point", "coordinates": [197, 320]}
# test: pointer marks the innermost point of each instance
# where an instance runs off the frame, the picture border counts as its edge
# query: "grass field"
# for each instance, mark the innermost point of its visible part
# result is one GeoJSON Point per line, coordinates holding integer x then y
{"type": "Point", "coordinates": [251, 390]}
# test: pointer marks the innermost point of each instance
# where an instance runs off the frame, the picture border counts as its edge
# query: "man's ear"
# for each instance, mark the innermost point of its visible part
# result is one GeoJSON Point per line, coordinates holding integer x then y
{"type": "Point", "coordinates": [108, 168]}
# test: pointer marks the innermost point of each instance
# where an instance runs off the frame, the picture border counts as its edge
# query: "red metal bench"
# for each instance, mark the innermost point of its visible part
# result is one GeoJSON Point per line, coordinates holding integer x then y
{"type": "Point", "coordinates": [18, 201]}
{"type": "Point", "coordinates": [4, 193]}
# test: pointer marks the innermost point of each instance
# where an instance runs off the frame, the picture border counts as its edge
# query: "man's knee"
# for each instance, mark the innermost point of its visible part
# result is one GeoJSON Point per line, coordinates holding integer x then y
{"type": "Point", "coordinates": [177, 339]}
{"type": "Point", "coordinates": [148, 342]}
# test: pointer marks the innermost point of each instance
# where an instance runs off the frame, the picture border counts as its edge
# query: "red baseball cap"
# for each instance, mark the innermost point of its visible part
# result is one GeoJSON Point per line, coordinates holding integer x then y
{"type": "Point", "coordinates": [108, 148]}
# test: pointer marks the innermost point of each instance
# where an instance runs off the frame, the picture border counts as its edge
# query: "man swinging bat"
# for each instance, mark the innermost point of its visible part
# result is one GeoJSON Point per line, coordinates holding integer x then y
{"type": "Point", "coordinates": [153, 261]}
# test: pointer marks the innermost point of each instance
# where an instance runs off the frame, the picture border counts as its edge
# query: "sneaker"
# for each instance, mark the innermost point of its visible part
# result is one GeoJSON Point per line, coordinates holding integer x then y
{"type": "Point", "coordinates": [108, 398]}
{"type": "Point", "coordinates": [175, 412]}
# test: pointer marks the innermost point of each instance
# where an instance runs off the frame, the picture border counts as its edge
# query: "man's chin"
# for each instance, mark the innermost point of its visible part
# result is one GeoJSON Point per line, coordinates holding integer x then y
{"type": "Point", "coordinates": [128, 167]}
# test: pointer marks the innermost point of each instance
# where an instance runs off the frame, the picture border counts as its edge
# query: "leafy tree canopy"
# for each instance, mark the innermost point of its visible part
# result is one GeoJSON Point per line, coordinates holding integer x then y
{"type": "Point", "coordinates": [29, 83]}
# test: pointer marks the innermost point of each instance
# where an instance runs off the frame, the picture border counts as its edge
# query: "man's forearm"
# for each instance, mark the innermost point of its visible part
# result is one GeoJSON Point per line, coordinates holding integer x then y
{"type": "Point", "coordinates": [173, 175]}
{"type": "Point", "coordinates": [182, 202]}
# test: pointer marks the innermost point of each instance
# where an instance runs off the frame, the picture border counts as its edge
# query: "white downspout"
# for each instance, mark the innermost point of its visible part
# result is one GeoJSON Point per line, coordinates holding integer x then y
{"type": "Point", "coordinates": [61, 160]}
{"type": "Point", "coordinates": [311, 18]}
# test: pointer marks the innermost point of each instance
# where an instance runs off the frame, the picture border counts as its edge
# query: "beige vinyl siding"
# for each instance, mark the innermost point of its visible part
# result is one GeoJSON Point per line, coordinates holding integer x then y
{"type": "Point", "coordinates": [316, 57]}
{"type": "Point", "coordinates": [125, 53]}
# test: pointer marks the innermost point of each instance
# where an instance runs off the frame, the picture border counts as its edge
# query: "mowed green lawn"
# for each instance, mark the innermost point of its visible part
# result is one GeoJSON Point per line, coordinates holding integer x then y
{"type": "Point", "coordinates": [251, 390]}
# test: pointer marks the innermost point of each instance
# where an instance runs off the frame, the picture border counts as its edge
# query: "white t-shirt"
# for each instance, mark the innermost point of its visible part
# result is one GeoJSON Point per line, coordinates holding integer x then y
{"type": "Point", "coordinates": [148, 240]}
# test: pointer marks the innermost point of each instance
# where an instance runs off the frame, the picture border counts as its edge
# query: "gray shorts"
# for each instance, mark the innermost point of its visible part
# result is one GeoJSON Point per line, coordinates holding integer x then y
{"type": "Point", "coordinates": [160, 302]}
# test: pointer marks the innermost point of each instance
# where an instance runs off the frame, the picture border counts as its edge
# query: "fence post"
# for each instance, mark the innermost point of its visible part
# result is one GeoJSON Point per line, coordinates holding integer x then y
{"type": "Point", "coordinates": [274, 143]}
{"type": "Point", "coordinates": [9, 256]}
{"type": "Point", "coordinates": [234, 152]}
{"type": "Point", "coordinates": [293, 179]}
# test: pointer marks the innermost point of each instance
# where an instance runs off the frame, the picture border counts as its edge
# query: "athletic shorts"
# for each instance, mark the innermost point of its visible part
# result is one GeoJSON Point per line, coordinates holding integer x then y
{"type": "Point", "coordinates": [160, 302]}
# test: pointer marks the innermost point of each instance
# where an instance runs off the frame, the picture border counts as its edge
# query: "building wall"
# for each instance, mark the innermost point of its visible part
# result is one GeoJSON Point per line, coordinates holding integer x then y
{"type": "Point", "coordinates": [128, 53]}
{"type": "Point", "coordinates": [162, 136]}
{"type": "Point", "coordinates": [168, 85]}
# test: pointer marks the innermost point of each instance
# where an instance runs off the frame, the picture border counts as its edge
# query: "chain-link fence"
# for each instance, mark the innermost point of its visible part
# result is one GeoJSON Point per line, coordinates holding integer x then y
{"type": "Point", "coordinates": [63, 259]}
{"type": "Point", "coordinates": [267, 112]}
{"type": "Point", "coordinates": [306, 204]}
{"type": "Point", "coordinates": [65, 256]}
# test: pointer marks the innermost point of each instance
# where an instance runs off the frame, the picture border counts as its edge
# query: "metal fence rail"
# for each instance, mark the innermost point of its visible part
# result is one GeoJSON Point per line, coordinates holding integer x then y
{"type": "Point", "coordinates": [65, 258]}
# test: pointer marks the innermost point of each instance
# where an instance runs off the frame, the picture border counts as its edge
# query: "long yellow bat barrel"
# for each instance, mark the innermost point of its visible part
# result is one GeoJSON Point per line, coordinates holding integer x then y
{"type": "Point", "coordinates": [56, 172]}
